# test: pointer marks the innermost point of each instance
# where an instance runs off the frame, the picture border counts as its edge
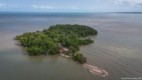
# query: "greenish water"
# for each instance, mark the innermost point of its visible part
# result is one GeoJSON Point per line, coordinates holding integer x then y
{"type": "Point", "coordinates": [117, 47]}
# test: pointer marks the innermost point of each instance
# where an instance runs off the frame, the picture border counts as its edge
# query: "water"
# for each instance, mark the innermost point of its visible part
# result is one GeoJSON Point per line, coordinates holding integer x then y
{"type": "Point", "coordinates": [117, 47]}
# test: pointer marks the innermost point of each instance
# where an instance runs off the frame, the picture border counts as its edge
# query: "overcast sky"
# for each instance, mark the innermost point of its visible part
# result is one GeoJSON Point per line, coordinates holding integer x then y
{"type": "Point", "coordinates": [71, 5]}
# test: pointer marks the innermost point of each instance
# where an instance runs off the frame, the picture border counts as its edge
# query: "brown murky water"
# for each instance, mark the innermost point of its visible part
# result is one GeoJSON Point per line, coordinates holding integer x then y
{"type": "Point", "coordinates": [117, 47]}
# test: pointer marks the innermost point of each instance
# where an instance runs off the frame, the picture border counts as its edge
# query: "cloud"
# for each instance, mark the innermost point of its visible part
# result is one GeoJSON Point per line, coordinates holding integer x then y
{"type": "Point", "coordinates": [55, 7]}
{"type": "Point", "coordinates": [74, 8]}
{"type": "Point", "coordinates": [130, 2]}
{"type": "Point", "coordinates": [2, 5]}
{"type": "Point", "coordinates": [42, 6]}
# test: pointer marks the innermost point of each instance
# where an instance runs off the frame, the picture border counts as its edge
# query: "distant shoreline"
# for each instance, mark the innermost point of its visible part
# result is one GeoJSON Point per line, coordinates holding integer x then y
{"type": "Point", "coordinates": [7, 12]}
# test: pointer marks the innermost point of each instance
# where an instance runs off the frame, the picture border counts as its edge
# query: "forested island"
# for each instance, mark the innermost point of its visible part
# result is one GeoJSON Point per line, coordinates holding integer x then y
{"type": "Point", "coordinates": [58, 39]}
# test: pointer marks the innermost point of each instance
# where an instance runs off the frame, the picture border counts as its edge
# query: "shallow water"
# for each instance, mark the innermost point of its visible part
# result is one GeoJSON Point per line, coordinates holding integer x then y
{"type": "Point", "coordinates": [117, 47]}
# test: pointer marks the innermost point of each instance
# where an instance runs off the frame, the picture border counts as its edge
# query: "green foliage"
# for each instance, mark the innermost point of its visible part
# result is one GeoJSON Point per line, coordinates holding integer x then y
{"type": "Point", "coordinates": [79, 57]}
{"type": "Point", "coordinates": [85, 41]}
{"type": "Point", "coordinates": [35, 50]}
{"type": "Point", "coordinates": [53, 48]}
{"type": "Point", "coordinates": [46, 41]}
{"type": "Point", "coordinates": [80, 30]}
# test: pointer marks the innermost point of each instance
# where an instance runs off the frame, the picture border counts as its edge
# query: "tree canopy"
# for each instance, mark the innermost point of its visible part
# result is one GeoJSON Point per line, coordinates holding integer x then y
{"type": "Point", "coordinates": [47, 41]}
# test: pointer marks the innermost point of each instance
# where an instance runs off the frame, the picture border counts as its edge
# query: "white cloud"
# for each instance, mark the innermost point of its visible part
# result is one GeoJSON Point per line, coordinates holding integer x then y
{"type": "Point", "coordinates": [2, 5]}
{"type": "Point", "coordinates": [42, 6]}
{"type": "Point", "coordinates": [131, 2]}
{"type": "Point", "coordinates": [74, 8]}
{"type": "Point", "coordinates": [54, 7]}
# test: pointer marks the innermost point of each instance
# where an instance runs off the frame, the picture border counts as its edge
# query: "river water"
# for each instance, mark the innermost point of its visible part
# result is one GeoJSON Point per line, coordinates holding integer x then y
{"type": "Point", "coordinates": [117, 48]}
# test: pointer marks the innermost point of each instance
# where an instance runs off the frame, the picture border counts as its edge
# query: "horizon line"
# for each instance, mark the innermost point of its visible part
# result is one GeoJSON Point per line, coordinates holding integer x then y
{"type": "Point", "coordinates": [60, 12]}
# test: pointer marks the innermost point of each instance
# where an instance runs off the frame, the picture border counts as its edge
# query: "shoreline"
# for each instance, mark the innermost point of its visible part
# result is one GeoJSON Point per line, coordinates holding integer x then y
{"type": "Point", "coordinates": [95, 70]}
{"type": "Point", "coordinates": [92, 69]}
{"type": "Point", "coordinates": [66, 56]}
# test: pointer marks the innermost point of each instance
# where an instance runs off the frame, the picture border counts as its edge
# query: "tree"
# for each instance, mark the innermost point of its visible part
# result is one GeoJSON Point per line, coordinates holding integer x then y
{"type": "Point", "coordinates": [72, 49]}
{"type": "Point", "coordinates": [79, 58]}
{"type": "Point", "coordinates": [34, 50]}
{"type": "Point", "coordinates": [46, 41]}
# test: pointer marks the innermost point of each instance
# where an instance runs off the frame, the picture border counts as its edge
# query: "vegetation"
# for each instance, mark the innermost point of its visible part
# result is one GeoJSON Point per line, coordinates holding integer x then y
{"type": "Point", "coordinates": [48, 40]}
{"type": "Point", "coordinates": [79, 57]}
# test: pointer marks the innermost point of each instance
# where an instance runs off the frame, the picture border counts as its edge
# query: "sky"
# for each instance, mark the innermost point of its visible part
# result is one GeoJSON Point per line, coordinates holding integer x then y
{"type": "Point", "coordinates": [71, 5]}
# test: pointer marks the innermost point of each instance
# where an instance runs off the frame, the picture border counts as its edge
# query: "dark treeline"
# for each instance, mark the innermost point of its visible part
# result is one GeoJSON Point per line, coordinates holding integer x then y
{"type": "Point", "coordinates": [48, 40]}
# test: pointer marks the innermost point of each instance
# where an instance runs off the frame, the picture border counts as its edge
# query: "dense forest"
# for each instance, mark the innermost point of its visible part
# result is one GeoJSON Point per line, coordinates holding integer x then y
{"type": "Point", "coordinates": [49, 41]}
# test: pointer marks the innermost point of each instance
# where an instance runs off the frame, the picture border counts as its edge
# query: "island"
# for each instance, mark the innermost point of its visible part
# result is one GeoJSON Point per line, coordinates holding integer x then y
{"type": "Point", "coordinates": [63, 39]}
